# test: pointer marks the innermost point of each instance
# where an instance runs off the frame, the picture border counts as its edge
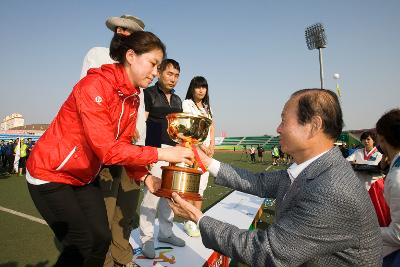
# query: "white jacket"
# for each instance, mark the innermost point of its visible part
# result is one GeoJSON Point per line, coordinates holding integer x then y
{"type": "Point", "coordinates": [391, 234]}
{"type": "Point", "coordinates": [373, 158]}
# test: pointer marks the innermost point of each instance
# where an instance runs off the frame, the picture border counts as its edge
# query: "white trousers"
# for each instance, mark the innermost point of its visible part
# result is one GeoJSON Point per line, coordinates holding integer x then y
{"type": "Point", "coordinates": [151, 205]}
{"type": "Point", "coordinates": [203, 182]}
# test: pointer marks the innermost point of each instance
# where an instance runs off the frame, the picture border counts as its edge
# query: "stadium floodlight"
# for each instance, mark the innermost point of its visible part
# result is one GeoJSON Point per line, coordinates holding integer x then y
{"type": "Point", "coordinates": [316, 39]}
{"type": "Point", "coordinates": [315, 36]}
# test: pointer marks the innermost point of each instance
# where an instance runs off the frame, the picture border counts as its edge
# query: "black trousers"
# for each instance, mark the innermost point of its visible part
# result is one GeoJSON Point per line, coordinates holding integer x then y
{"type": "Point", "coordinates": [77, 216]}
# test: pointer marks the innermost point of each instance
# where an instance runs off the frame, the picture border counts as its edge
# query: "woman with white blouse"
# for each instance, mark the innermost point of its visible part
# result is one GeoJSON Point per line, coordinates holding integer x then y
{"type": "Point", "coordinates": [368, 155]}
{"type": "Point", "coordinates": [197, 103]}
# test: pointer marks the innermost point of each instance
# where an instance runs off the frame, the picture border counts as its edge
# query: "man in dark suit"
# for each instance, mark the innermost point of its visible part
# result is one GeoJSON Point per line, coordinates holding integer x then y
{"type": "Point", "coordinates": [324, 216]}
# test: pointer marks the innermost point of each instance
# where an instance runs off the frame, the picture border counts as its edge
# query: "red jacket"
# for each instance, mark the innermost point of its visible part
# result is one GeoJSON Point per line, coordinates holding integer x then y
{"type": "Point", "coordinates": [93, 127]}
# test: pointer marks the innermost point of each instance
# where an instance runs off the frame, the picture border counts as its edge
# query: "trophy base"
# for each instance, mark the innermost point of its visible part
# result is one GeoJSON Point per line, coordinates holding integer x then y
{"type": "Point", "coordinates": [184, 181]}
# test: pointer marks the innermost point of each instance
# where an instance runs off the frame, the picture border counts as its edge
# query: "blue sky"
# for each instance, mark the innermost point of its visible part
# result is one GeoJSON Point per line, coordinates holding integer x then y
{"type": "Point", "coordinates": [253, 54]}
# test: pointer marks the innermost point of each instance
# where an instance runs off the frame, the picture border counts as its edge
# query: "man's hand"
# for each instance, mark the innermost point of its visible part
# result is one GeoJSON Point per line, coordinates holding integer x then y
{"type": "Point", "coordinates": [184, 209]}
{"type": "Point", "coordinates": [209, 150]}
{"type": "Point", "coordinates": [203, 155]}
{"type": "Point", "coordinates": [152, 183]}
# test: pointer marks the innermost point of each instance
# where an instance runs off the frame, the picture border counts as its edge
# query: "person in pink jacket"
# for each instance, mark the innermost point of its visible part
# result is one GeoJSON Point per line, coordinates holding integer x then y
{"type": "Point", "coordinates": [94, 127]}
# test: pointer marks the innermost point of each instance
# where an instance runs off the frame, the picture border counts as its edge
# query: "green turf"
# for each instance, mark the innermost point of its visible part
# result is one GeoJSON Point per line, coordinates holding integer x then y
{"type": "Point", "coordinates": [30, 244]}
{"type": "Point", "coordinates": [14, 195]}
{"type": "Point", "coordinates": [26, 243]}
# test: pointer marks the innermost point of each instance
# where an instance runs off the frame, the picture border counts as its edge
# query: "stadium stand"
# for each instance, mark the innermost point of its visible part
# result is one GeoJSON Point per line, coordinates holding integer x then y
{"type": "Point", "coordinates": [9, 137]}
{"type": "Point", "coordinates": [33, 131]}
{"type": "Point", "coordinates": [229, 143]}
{"type": "Point", "coordinates": [267, 141]}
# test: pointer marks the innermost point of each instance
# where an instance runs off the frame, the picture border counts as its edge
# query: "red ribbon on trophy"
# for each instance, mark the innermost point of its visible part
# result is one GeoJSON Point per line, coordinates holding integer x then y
{"type": "Point", "coordinates": [197, 157]}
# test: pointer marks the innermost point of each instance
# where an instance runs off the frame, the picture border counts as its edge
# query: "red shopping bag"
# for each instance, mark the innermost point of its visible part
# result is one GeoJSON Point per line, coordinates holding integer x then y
{"type": "Point", "coordinates": [217, 260]}
{"type": "Point", "coordinates": [381, 208]}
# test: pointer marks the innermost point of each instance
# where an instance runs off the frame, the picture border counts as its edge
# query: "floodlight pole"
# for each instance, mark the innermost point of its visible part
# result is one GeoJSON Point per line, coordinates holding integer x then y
{"type": "Point", "coordinates": [321, 68]}
{"type": "Point", "coordinates": [316, 39]}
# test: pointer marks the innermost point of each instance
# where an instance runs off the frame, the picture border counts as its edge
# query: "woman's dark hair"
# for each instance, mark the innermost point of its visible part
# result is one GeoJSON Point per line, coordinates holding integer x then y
{"type": "Point", "coordinates": [198, 82]}
{"type": "Point", "coordinates": [140, 42]}
{"type": "Point", "coordinates": [388, 126]}
{"type": "Point", "coordinates": [323, 103]}
{"type": "Point", "coordinates": [367, 134]}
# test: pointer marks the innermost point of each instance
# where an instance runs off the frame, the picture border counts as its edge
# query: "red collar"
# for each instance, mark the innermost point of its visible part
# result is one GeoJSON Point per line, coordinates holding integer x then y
{"type": "Point", "coordinates": [123, 83]}
{"type": "Point", "coordinates": [368, 155]}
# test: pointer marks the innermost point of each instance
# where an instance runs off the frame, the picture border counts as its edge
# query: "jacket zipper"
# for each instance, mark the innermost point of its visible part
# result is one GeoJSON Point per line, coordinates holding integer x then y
{"type": "Point", "coordinates": [94, 176]}
{"type": "Point", "coordinates": [119, 123]}
{"type": "Point", "coordinates": [66, 159]}
{"type": "Point", "coordinates": [122, 113]}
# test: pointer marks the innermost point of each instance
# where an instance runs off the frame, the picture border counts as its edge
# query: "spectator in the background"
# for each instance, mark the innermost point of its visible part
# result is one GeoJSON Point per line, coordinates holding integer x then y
{"type": "Point", "coordinates": [23, 150]}
{"type": "Point", "coordinates": [2, 153]}
{"type": "Point", "coordinates": [9, 157]}
{"type": "Point", "coordinates": [253, 154]}
{"type": "Point", "coordinates": [15, 159]}
{"type": "Point", "coordinates": [29, 143]}
{"type": "Point", "coordinates": [275, 155]}
{"type": "Point", "coordinates": [388, 129]}
{"type": "Point", "coordinates": [260, 152]}
{"type": "Point", "coordinates": [368, 155]}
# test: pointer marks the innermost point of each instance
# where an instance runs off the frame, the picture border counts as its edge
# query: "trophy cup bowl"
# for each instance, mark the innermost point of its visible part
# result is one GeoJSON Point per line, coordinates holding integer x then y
{"type": "Point", "coordinates": [187, 130]}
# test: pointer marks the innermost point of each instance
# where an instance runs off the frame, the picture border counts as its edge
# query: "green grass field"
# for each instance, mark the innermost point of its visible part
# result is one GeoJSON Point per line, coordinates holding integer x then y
{"type": "Point", "coordinates": [25, 243]}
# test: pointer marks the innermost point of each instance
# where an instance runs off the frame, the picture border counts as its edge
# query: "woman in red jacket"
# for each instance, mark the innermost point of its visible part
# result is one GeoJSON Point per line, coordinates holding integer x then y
{"type": "Point", "coordinates": [94, 127]}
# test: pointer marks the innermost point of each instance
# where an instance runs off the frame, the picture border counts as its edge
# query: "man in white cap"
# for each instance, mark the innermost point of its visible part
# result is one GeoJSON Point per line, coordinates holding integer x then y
{"type": "Point", "coordinates": [120, 192]}
{"type": "Point", "coordinates": [97, 56]}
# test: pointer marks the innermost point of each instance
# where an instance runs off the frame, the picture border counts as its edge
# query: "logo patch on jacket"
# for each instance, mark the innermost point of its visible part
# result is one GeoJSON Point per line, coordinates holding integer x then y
{"type": "Point", "coordinates": [98, 99]}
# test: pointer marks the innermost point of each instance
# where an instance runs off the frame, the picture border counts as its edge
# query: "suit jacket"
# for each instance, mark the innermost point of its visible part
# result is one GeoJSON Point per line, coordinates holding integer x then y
{"type": "Point", "coordinates": [325, 218]}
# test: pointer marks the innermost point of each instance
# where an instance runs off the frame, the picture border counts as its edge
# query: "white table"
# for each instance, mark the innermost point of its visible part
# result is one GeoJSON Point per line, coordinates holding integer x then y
{"type": "Point", "coordinates": [243, 207]}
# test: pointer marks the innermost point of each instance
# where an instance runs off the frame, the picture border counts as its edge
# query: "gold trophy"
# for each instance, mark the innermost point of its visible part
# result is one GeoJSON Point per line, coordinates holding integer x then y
{"type": "Point", "coordinates": [187, 130]}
